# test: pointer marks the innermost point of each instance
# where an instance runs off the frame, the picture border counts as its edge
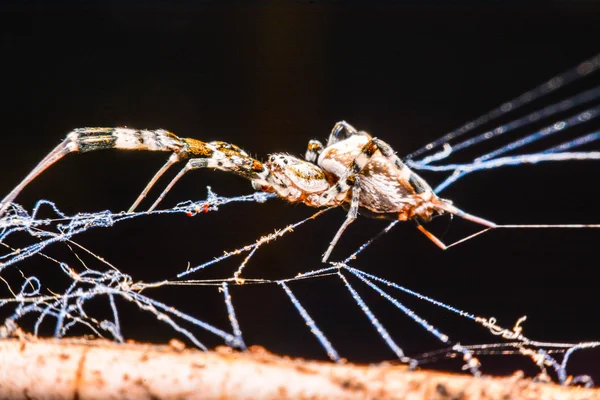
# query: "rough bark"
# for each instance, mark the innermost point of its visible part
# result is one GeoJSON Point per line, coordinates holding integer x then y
{"type": "Point", "coordinates": [98, 369]}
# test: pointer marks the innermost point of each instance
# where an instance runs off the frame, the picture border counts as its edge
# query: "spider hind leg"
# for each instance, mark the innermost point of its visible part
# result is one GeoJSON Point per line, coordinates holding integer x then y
{"type": "Point", "coordinates": [83, 140]}
{"type": "Point", "coordinates": [442, 206]}
{"type": "Point", "coordinates": [431, 236]}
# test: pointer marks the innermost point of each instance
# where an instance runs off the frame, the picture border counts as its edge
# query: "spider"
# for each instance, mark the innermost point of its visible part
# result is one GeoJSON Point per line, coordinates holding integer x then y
{"type": "Point", "coordinates": [354, 170]}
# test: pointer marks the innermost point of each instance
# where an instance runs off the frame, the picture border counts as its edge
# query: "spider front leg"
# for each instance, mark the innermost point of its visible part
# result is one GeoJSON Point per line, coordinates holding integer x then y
{"type": "Point", "coordinates": [225, 157]}
{"type": "Point", "coordinates": [84, 140]}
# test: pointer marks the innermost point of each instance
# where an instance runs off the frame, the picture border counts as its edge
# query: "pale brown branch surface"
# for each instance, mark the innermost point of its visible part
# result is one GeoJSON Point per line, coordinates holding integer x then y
{"type": "Point", "coordinates": [96, 369]}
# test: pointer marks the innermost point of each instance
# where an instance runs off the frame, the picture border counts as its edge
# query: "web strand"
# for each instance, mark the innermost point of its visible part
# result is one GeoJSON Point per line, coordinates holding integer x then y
{"type": "Point", "coordinates": [572, 75]}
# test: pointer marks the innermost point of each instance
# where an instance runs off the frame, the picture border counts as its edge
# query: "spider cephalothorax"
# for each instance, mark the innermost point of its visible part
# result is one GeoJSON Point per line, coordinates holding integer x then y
{"type": "Point", "coordinates": [353, 169]}
{"type": "Point", "coordinates": [293, 179]}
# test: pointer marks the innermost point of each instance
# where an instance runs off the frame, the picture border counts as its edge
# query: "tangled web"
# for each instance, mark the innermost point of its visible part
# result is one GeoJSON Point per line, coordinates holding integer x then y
{"type": "Point", "coordinates": [31, 305]}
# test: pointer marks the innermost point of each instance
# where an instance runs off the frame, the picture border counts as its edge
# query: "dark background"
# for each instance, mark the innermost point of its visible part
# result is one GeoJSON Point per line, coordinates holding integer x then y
{"type": "Point", "coordinates": [268, 78]}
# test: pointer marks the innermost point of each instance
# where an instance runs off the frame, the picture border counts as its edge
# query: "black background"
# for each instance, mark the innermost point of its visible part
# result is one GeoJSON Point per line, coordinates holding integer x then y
{"type": "Point", "coordinates": [269, 77]}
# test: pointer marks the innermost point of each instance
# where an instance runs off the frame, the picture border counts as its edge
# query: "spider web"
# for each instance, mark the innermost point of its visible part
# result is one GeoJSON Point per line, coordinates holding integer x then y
{"type": "Point", "coordinates": [85, 293]}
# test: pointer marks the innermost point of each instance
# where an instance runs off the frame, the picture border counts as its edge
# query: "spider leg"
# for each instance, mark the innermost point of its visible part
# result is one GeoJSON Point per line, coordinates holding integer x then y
{"type": "Point", "coordinates": [190, 148]}
{"type": "Point", "coordinates": [225, 157]}
{"type": "Point", "coordinates": [59, 152]}
{"type": "Point", "coordinates": [84, 140]}
{"type": "Point", "coordinates": [431, 236]}
{"type": "Point", "coordinates": [172, 160]}
{"type": "Point", "coordinates": [191, 164]}
{"type": "Point", "coordinates": [441, 244]}
{"type": "Point", "coordinates": [350, 217]}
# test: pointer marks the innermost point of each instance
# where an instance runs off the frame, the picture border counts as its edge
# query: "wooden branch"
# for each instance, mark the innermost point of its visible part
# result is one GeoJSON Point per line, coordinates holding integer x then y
{"type": "Point", "coordinates": [96, 369]}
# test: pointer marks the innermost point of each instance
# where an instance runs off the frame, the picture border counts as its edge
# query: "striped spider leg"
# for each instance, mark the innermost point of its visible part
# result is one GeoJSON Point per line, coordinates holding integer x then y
{"type": "Point", "coordinates": [217, 155]}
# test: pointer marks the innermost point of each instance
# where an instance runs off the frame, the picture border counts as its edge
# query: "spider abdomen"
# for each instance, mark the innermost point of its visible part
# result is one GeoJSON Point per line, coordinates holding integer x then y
{"type": "Point", "coordinates": [386, 191]}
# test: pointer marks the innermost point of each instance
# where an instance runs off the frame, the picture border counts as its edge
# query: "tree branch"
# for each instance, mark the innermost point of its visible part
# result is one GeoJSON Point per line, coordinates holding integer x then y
{"type": "Point", "coordinates": [33, 368]}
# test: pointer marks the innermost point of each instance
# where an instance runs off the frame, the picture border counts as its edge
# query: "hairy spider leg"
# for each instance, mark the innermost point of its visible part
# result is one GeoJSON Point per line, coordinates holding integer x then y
{"type": "Point", "coordinates": [84, 140]}
{"type": "Point", "coordinates": [222, 156]}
